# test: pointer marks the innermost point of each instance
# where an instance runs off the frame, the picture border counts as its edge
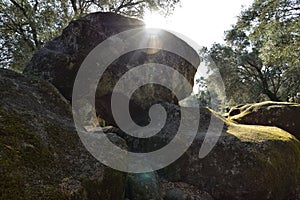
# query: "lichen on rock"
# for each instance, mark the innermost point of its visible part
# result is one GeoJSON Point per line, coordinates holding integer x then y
{"type": "Point", "coordinates": [41, 154]}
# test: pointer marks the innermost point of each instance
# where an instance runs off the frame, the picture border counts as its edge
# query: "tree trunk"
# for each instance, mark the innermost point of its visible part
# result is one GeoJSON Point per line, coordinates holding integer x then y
{"type": "Point", "coordinates": [271, 95]}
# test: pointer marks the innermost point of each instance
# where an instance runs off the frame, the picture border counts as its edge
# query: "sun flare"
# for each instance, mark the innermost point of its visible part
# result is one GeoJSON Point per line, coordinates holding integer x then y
{"type": "Point", "coordinates": [154, 20]}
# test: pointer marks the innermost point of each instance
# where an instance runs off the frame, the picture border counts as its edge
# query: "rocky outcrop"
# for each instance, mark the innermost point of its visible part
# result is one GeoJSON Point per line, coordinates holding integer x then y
{"type": "Point", "coordinates": [41, 155]}
{"type": "Point", "coordinates": [169, 130]}
{"type": "Point", "coordinates": [247, 162]}
{"type": "Point", "coordinates": [60, 59]}
{"type": "Point", "coordinates": [279, 114]}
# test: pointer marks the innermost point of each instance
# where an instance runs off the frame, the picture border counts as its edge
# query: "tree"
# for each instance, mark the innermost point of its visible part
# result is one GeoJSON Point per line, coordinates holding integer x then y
{"type": "Point", "coordinates": [26, 25]}
{"type": "Point", "coordinates": [275, 24]}
{"type": "Point", "coordinates": [246, 79]}
{"type": "Point", "coordinates": [202, 95]}
{"type": "Point", "coordinates": [260, 60]}
{"type": "Point", "coordinates": [135, 8]}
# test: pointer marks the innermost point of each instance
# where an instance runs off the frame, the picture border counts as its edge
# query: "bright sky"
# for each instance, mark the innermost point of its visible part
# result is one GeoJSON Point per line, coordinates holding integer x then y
{"type": "Point", "coordinates": [203, 21]}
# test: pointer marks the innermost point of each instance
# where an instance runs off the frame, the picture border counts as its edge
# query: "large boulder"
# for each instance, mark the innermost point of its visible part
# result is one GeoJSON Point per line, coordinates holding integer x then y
{"type": "Point", "coordinates": [281, 114]}
{"type": "Point", "coordinates": [248, 162]}
{"type": "Point", "coordinates": [41, 155]}
{"type": "Point", "coordinates": [169, 130]}
{"type": "Point", "coordinates": [59, 60]}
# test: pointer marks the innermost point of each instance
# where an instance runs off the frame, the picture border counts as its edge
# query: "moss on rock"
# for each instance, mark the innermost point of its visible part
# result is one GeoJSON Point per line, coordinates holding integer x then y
{"type": "Point", "coordinates": [247, 162]}
{"type": "Point", "coordinates": [280, 114]}
{"type": "Point", "coordinates": [40, 148]}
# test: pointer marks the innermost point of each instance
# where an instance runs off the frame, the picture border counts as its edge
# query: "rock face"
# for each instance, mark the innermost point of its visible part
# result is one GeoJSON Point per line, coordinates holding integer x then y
{"type": "Point", "coordinates": [41, 154]}
{"type": "Point", "coordinates": [248, 162]}
{"type": "Point", "coordinates": [168, 132]}
{"type": "Point", "coordinates": [60, 59]}
{"type": "Point", "coordinates": [174, 194]}
{"type": "Point", "coordinates": [143, 186]}
{"type": "Point", "coordinates": [280, 114]}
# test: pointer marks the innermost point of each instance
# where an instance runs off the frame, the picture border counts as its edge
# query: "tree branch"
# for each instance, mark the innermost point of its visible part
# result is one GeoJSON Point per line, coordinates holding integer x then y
{"type": "Point", "coordinates": [129, 4]}
{"type": "Point", "coordinates": [20, 7]}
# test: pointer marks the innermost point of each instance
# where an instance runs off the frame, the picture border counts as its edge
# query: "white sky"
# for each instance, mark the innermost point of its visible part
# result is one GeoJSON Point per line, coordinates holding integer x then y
{"type": "Point", "coordinates": [203, 21]}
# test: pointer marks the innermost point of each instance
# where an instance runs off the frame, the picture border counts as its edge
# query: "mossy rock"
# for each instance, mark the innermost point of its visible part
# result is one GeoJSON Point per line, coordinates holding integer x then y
{"type": "Point", "coordinates": [248, 162]}
{"type": "Point", "coordinates": [280, 114]}
{"type": "Point", "coordinates": [41, 155]}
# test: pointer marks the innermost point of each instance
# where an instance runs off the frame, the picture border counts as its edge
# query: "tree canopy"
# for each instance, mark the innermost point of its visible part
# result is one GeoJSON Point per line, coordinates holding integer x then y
{"type": "Point", "coordinates": [26, 25]}
{"type": "Point", "coordinates": [276, 26]}
{"type": "Point", "coordinates": [260, 60]}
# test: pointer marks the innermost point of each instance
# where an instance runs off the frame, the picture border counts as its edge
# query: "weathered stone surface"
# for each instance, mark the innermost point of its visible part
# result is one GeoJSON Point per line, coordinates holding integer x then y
{"type": "Point", "coordinates": [143, 186]}
{"type": "Point", "coordinates": [170, 129]}
{"type": "Point", "coordinates": [183, 191]}
{"type": "Point", "coordinates": [283, 115]}
{"type": "Point", "coordinates": [41, 155]}
{"type": "Point", "coordinates": [248, 162]}
{"type": "Point", "coordinates": [174, 194]}
{"type": "Point", "coordinates": [61, 58]}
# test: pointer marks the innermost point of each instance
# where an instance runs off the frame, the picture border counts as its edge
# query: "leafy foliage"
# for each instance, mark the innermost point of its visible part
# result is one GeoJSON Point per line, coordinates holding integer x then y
{"type": "Point", "coordinates": [275, 24]}
{"type": "Point", "coordinates": [26, 25]}
{"type": "Point", "coordinates": [260, 60]}
{"type": "Point", "coordinates": [135, 8]}
{"type": "Point", "coordinates": [203, 95]}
